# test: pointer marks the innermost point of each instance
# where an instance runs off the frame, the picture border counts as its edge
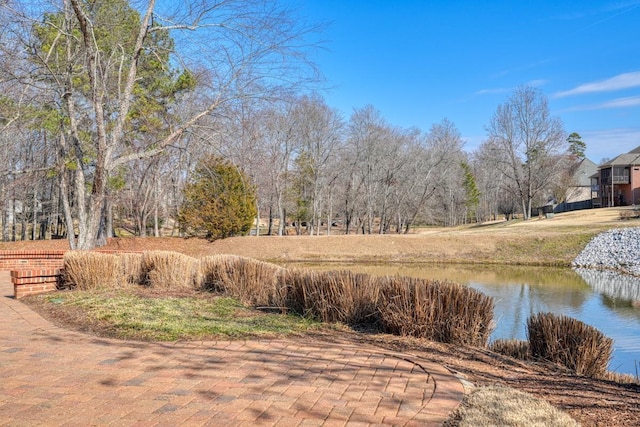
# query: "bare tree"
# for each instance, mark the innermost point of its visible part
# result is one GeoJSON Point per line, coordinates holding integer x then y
{"type": "Point", "coordinates": [445, 143]}
{"type": "Point", "coordinates": [244, 49]}
{"type": "Point", "coordinates": [368, 136]}
{"type": "Point", "coordinates": [319, 132]}
{"type": "Point", "coordinates": [530, 140]}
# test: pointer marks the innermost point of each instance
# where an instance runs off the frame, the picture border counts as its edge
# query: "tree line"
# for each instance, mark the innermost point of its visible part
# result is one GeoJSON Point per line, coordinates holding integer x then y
{"type": "Point", "coordinates": [110, 110]}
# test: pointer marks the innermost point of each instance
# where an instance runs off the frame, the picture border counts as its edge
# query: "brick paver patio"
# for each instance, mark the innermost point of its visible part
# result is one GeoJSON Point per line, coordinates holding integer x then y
{"type": "Point", "coordinates": [54, 377]}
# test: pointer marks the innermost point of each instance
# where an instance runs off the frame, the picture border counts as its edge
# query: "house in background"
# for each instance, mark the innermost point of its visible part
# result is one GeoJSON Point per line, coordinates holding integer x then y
{"type": "Point", "coordinates": [578, 195]}
{"type": "Point", "coordinates": [617, 182]}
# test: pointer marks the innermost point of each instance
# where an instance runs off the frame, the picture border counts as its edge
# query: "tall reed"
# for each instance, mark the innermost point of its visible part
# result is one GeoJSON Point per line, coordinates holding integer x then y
{"type": "Point", "coordinates": [169, 270]}
{"type": "Point", "coordinates": [91, 270]}
{"type": "Point", "coordinates": [333, 296]}
{"type": "Point", "coordinates": [131, 266]}
{"type": "Point", "coordinates": [253, 282]}
{"type": "Point", "coordinates": [569, 342]}
{"type": "Point", "coordinates": [439, 311]}
{"type": "Point", "coordinates": [517, 349]}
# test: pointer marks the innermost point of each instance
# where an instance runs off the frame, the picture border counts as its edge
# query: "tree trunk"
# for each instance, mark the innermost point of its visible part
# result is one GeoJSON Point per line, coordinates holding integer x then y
{"type": "Point", "coordinates": [5, 225]}
{"type": "Point", "coordinates": [156, 225]}
{"type": "Point", "coordinates": [330, 214]}
{"type": "Point", "coordinates": [66, 207]}
{"type": "Point", "coordinates": [257, 218]}
{"type": "Point", "coordinates": [270, 228]}
{"type": "Point", "coordinates": [5, 217]}
{"type": "Point", "coordinates": [34, 223]}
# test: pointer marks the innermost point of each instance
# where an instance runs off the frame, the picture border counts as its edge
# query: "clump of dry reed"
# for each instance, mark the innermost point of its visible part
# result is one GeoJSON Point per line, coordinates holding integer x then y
{"type": "Point", "coordinates": [439, 311]}
{"type": "Point", "coordinates": [518, 349]}
{"type": "Point", "coordinates": [131, 266]}
{"type": "Point", "coordinates": [169, 270]}
{"type": "Point", "coordinates": [253, 282]}
{"type": "Point", "coordinates": [90, 270]}
{"type": "Point", "coordinates": [333, 296]}
{"type": "Point", "coordinates": [621, 378]}
{"type": "Point", "coordinates": [567, 341]}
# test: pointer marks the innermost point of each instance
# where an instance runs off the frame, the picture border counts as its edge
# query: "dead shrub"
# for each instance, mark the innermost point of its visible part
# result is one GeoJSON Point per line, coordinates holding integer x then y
{"type": "Point", "coordinates": [569, 342]}
{"type": "Point", "coordinates": [91, 270]}
{"type": "Point", "coordinates": [438, 311]}
{"type": "Point", "coordinates": [333, 296]}
{"type": "Point", "coordinates": [630, 214]}
{"type": "Point", "coordinates": [491, 406]}
{"type": "Point", "coordinates": [169, 270]}
{"type": "Point", "coordinates": [518, 349]}
{"type": "Point", "coordinates": [253, 282]}
{"type": "Point", "coordinates": [621, 378]}
{"type": "Point", "coordinates": [131, 266]}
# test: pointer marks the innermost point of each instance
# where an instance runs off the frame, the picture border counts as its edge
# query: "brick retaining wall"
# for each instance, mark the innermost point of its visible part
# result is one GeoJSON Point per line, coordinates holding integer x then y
{"type": "Point", "coordinates": [36, 272]}
{"type": "Point", "coordinates": [32, 282]}
{"type": "Point", "coordinates": [19, 260]}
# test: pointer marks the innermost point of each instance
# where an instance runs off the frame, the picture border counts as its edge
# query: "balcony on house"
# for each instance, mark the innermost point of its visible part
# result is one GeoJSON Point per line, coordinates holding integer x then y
{"type": "Point", "coordinates": [621, 175]}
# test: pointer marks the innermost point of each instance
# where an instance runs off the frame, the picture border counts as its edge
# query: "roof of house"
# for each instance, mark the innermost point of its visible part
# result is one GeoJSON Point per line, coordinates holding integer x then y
{"type": "Point", "coordinates": [584, 171]}
{"type": "Point", "coordinates": [631, 158]}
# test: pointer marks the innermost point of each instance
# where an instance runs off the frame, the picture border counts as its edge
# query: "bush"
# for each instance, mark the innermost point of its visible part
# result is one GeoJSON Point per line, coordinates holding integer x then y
{"type": "Point", "coordinates": [438, 311]}
{"type": "Point", "coordinates": [517, 349]}
{"type": "Point", "coordinates": [630, 214]}
{"type": "Point", "coordinates": [91, 270]}
{"type": "Point", "coordinates": [560, 339]}
{"type": "Point", "coordinates": [219, 201]}
{"type": "Point", "coordinates": [334, 296]}
{"type": "Point", "coordinates": [253, 282]}
{"type": "Point", "coordinates": [169, 270]}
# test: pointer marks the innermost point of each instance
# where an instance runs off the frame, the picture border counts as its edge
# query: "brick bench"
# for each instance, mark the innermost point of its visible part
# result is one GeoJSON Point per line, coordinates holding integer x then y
{"type": "Point", "coordinates": [35, 281]}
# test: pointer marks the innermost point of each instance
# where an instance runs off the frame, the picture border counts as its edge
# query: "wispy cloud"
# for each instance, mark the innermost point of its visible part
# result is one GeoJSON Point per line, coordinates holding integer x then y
{"type": "Point", "coordinates": [627, 102]}
{"type": "Point", "coordinates": [621, 81]}
{"type": "Point", "coordinates": [608, 143]}
{"type": "Point", "coordinates": [537, 83]}
{"type": "Point", "coordinates": [532, 83]}
{"type": "Point", "coordinates": [521, 68]}
{"type": "Point", "coordinates": [493, 91]}
{"type": "Point", "coordinates": [631, 101]}
{"type": "Point", "coordinates": [609, 12]}
{"type": "Point", "coordinates": [617, 7]}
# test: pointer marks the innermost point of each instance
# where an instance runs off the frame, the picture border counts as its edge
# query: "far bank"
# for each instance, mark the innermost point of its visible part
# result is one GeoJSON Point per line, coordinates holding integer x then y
{"type": "Point", "coordinates": [545, 241]}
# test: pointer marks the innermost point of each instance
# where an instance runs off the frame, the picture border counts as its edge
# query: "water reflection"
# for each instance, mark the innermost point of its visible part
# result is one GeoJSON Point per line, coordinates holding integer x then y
{"type": "Point", "coordinates": [608, 302]}
{"type": "Point", "coordinates": [612, 284]}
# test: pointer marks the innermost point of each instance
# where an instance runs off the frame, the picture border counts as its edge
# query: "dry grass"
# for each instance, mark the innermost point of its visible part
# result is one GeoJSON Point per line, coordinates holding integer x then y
{"type": "Point", "coordinates": [91, 270]}
{"type": "Point", "coordinates": [443, 312]}
{"type": "Point", "coordinates": [169, 270]}
{"type": "Point", "coordinates": [131, 265]}
{"type": "Point", "coordinates": [621, 378]}
{"type": "Point", "coordinates": [439, 311]}
{"type": "Point", "coordinates": [333, 296]}
{"type": "Point", "coordinates": [253, 282]}
{"type": "Point", "coordinates": [560, 339]}
{"type": "Point", "coordinates": [513, 348]}
{"type": "Point", "coordinates": [504, 406]}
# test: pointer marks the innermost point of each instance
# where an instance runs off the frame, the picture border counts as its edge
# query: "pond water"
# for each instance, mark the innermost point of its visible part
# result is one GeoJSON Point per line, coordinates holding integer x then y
{"type": "Point", "coordinates": [606, 301]}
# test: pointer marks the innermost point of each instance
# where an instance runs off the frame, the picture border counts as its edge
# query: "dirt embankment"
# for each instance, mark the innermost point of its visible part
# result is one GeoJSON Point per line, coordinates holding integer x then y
{"type": "Point", "coordinates": [553, 241]}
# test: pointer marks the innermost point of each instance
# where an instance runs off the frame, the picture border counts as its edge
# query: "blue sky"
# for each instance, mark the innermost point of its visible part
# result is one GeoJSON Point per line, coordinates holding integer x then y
{"type": "Point", "coordinates": [421, 61]}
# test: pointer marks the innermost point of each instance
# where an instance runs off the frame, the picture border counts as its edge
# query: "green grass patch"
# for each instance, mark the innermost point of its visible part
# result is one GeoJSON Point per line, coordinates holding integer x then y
{"type": "Point", "coordinates": [168, 318]}
{"type": "Point", "coordinates": [557, 249]}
